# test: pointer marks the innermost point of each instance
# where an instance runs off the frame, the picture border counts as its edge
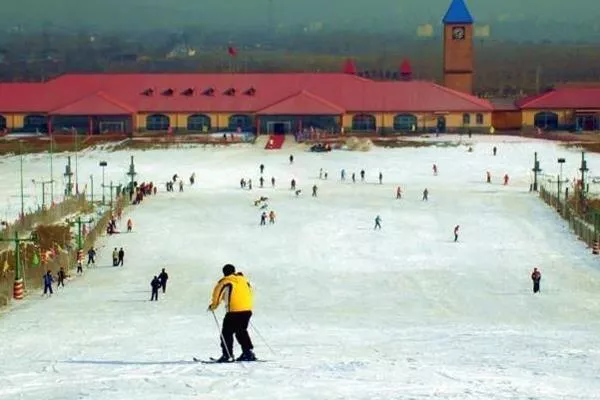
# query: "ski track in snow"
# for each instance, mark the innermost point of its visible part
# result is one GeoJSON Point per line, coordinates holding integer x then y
{"type": "Point", "coordinates": [351, 313]}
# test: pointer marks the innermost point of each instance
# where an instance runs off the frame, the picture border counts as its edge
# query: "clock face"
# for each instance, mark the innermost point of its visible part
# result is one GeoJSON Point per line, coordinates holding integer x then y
{"type": "Point", "coordinates": [458, 33]}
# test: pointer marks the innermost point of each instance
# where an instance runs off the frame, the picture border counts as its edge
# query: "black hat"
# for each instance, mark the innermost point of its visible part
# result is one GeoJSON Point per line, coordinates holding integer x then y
{"type": "Point", "coordinates": [228, 269]}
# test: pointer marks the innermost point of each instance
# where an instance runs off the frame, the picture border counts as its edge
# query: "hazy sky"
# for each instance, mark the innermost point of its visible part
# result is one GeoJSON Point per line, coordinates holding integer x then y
{"type": "Point", "coordinates": [233, 14]}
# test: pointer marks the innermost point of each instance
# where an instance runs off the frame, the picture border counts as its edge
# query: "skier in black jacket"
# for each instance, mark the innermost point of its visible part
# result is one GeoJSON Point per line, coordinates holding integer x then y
{"type": "Point", "coordinates": [155, 285]}
{"type": "Point", "coordinates": [163, 277]}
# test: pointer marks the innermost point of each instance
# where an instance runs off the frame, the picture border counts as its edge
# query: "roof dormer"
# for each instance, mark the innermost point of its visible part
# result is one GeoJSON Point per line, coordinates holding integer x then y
{"type": "Point", "coordinates": [168, 92]}
{"type": "Point", "coordinates": [209, 92]}
{"type": "Point", "coordinates": [148, 92]}
{"type": "Point", "coordinates": [188, 92]}
{"type": "Point", "coordinates": [230, 92]}
{"type": "Point", "coordinates": [250, 92]}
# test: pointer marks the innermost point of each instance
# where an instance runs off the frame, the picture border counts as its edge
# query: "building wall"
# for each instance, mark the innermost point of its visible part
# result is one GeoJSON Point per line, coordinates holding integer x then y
{"type": "Point", "coordinates": [179, 120]}
{"type": "Point", "coordinates": [14, 121]}
{"type": "Point", "coordinates": [506, 120]}
{"type": "Point", "coordinates": [565, 117]}
{"type": "Point", "coordinates": [425, 121]}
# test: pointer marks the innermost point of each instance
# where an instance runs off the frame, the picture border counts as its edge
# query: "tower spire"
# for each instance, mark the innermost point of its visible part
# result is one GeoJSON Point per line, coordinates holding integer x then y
{"type": "Point", "coordinates": [458, 13]}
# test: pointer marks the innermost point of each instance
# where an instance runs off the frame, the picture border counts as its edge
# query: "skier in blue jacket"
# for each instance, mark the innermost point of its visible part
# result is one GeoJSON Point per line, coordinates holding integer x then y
{"type": "Point", "coordinates": [48, 279]}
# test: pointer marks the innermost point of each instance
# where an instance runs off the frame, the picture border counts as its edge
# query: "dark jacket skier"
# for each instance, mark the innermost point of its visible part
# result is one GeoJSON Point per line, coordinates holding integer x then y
{"type": "Point", "coordinates": [536, 277]}
{"type": "Point", "coordinates": [115, 257]}
{"type": "Point", "coordinates": [163, 277]}
{"type": "Point", "coordinates": [155, 285]}
{"type": "Point", "coordinates": [91, 256]}
{"type": "Point", "coordinates": [60, 278]}
{"type": "Point", "coordinates": [121, 257]}
{"type": "Point", "coordinates": [48, 279]}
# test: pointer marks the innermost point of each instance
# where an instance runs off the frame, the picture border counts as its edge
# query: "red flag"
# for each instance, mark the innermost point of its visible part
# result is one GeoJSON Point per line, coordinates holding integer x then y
{"type": "Point", "coordinates": [232, 51]}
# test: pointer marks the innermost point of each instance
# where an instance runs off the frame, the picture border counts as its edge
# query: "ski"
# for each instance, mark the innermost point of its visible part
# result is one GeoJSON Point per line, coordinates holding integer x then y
{"type": "Point", "coordinates": [216, 361]}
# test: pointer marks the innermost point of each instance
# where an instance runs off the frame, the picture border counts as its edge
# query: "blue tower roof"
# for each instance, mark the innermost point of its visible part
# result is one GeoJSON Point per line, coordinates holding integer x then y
{"type": "Point", "coordinates": [458, 13]}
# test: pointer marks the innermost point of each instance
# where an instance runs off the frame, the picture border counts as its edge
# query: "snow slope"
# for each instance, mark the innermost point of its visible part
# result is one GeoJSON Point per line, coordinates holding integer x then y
{"type": "Point", "coordinates": [349, 312]}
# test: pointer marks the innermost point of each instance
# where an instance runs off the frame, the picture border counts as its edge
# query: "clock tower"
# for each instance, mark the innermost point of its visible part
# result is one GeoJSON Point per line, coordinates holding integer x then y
{"type": "Point", "coordinates": [458, 47]}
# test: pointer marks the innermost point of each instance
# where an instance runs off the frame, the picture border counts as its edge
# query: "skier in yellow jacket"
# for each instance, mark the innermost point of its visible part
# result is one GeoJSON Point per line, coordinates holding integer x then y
{"type": "Point", "coordinates": [235, 290]}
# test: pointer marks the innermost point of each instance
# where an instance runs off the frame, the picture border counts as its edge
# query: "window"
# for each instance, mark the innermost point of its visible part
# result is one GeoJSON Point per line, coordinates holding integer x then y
{"type": "Point", "coordinates": [209, 92]}
{"type": "Point", "coordinates": [250, 92]}
{"type": "Point", "coordinates": [244, 122]}
{"type": "Point", "coordinates": [35, 123]}
{"type": "Point", "coordinates": [198, 122]}
{"type": "Point", "coordinates": [479, 119]}
{"type": "Point", "coordinates": [168, 92]}
{"type": "Point", "coordinates": [466, 119]}
{"type": "Point", "coordinates": [230, 92]}
{"type": "Point", "coordinates": [363, 123]}
{"type": "Point", "coordinates": [188, 92]}
{"type": "Point", "coordinates": [546, 120]}
{"type": "Point", "coordinates": [157, 122]}
{"type": "Point", "coordinates": [148, 92]}
{"type": "Point", "coordinates": [2, 123]}
{"type": "Point", "coordinates": [405, 122]}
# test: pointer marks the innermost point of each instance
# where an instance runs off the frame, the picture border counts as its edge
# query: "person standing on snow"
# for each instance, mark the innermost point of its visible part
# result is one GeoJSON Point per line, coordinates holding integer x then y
{"type": "Point", "coordinates": [48, 279]}
{"type": "Point", "coordinates": [163, 277]}
{"type": "Point", "coordinates": [129, 225]}
{"type": "Point", "coordinates": [262, 168]}
{"type": "Point", "coordinates": [314, 190]}
{"type": "Point", "coordinates": [263, 218]}
{"type": "Point", "coordinates": [236, 291]}
{"type": "Point", "coordinates": [398, 192]}
{"type": "Point", "coordinates": [121, 256]}
{"type": "Point", "coordinates": [155, 285]}
{"type": "Point", "coordinates": [536, 277]}
{"type": "Point", "coordinates": [425, 195]}
{"type": "Point", "coordinates": [380, 178]}
{"type": "Point", "coordinates": [60, 277]}
{"type": "Point", "coordinates": [115, 257]}
{"type": "Point", "coordinates": [91, 256]}
{"type": "Point", "coordinates": [273, 181]}
{"type": "Point", "coordinates": [456, 233]}
{"type": "Point", "coordinates": [271, 217]}
{"type": "Point", "coordinates": [377, 222]}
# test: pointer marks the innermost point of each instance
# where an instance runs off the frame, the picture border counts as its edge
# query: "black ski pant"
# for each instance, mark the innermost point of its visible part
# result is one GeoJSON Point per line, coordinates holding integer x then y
{"type": "Point", "coordinates": [91, 260]}
{"type": "Point", "coordinates": [455, 237]}
{"type": "Point", "coordinates": [120, 262]}
{"type": "Point", "coordinates": [163, 285]}
{"type": "Point", "coordinates": [60, 283]}
{"type": "Point", "coordinates": [47, 288]}
{"type": "Point", "coordinates": [536, 286]}
{"type": "Point", "coordinates": [236, 323]}
{"type": "Point", "coordinates": [154, 296]}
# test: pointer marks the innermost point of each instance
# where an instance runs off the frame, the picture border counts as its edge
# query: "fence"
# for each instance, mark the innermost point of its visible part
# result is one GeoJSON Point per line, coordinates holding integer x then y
{"type": "Point", "coordinates": [585, 224]}
{"type": "Point", "coordinates": [43, 217]}
{"type": "Point", "coordinates": [66, 259]}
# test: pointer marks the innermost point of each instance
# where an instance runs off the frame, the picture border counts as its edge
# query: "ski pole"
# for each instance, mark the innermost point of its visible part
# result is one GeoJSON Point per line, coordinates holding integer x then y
{"type": "Point", "coordinates": [262, 338]}
{"type": "Point", "coordinates": [221, 334]}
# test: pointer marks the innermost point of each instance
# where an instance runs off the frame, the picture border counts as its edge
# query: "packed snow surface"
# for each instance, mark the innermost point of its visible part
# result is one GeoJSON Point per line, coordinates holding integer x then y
{"type": "Point", "coordinates": [342, 311]}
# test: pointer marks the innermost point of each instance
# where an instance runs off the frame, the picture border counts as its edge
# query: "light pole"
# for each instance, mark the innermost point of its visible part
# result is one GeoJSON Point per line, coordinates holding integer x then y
{"type": "Point", "coordinates": [92, 187]}
{"type": "Point", "coordinates": [51, 171]}
{"type": "Point", "coordinates": [103, 164]}
{"type": "Point", "coordinates": [43, 183]}
{"type": "Point", "coordinates": [76, 160]}
{"type": "Point", "coordinates": [21, 172]}
{"type": "Point", "coordinates": [19, 284]}
{"type": "Point", "coordinates": [561, 161]}
{"type": "Point", "coordinates": [536, 170]}
{"type": "Point", "coordinates": [68, 174]}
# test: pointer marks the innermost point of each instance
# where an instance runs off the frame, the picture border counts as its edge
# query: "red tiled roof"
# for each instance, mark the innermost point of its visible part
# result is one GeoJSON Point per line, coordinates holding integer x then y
{"type": "Point", "coordinates": [99, 102]}
{"type": "Point", "coordinates": [304, 103]}
{"type": "Point", "coordinates": [565, 98]}
{"type": "Point", "coordinates": [338, 90]}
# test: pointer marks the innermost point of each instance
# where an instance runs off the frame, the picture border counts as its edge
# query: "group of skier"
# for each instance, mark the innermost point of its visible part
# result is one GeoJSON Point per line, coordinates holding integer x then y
{"type": "Point", "coordinates": [159, 281]}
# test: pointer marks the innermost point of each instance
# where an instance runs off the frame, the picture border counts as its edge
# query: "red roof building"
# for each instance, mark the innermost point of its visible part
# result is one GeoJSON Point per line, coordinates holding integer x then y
{"type": "Point", "coordinates": [101, 102]}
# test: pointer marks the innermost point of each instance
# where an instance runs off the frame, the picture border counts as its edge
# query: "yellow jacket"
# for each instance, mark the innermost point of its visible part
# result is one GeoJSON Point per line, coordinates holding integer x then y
{"type": "Point", "coordinates": [235, 290]}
